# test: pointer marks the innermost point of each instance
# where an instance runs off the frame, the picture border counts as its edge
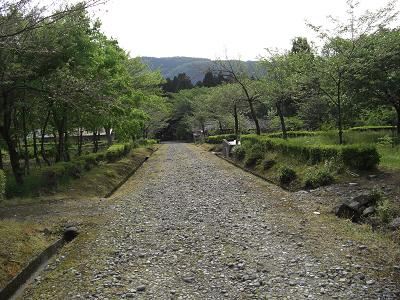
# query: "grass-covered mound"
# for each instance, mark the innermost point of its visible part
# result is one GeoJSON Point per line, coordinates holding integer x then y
{"type": "Point", "coordinates": [49, 178]}
{"type": "Point", "coordinates": [358, 156]}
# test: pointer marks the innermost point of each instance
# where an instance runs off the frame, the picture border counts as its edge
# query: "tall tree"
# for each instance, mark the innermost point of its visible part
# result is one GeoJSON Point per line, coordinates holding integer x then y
{"type": "Point", "coordinates": [236, 72]}
{"type": "Point", "coordinates": [340, 47]}
{"type": "Point", "coordinates": [376, 72]}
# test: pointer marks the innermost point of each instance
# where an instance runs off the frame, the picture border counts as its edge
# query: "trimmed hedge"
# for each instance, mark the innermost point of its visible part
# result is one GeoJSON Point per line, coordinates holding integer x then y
{"type": "Point", "coordinates": [294, 134]}
{"type": "Point", "coordinates": [52, 175]}
{"type": "Point", "coordinates": [218, 139]}
{"type": "Point", "coordinates": [372, 128]}
{"type": "Point", "coordinates": [360, 157]}
{"type": "Point", "coordinates": [2, 184]}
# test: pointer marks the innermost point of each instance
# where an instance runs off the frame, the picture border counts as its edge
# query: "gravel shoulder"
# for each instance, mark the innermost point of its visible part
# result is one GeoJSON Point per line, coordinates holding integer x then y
{"type": "Point", "coordinates": [189, 225]}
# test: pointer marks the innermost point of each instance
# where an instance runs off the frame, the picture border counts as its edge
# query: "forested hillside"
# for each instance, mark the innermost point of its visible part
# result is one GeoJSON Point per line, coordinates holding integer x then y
{"type": "Point", "coordinates": [193, 67]}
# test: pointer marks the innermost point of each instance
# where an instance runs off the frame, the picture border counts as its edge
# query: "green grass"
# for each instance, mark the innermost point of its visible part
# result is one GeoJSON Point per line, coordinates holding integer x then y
{"type": "Point", "coordinates": [46, 179]}
{"type": "Point", "coordinates": [24, 241]}
{"type": "Point", "coordinates": [350, 137]}
{"type": "Point", "coordinates": [390, 156]}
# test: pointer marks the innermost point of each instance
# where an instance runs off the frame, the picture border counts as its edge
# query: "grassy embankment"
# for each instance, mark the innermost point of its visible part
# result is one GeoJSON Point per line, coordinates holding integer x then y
{"type": "Point", "coordinates": [29, 224]}
{"type": "Point", "coordinates": [311, 159]}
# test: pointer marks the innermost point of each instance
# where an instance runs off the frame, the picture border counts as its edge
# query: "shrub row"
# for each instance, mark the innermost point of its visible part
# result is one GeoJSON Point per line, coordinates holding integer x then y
{"type": "Point", "coordinates": [2, 184]}
{"type": "Point", "coordinates": [358, 157]}
{"type": "Point", "coordinates": [294, 134]}
{"type": "Point", "coordinates": [372, 128]}
{"type": "Point", "coordinates": [218, 139]}
{"type": "Point", "coordinates": [52, 175]}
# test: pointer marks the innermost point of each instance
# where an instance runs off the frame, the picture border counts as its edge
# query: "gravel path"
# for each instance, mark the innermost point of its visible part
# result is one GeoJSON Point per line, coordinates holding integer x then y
{"type": "Point", "coordinates": [188, 225]}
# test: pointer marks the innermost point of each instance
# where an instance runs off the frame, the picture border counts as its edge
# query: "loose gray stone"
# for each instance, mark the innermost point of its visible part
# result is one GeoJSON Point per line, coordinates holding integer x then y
{"type": "Point", "coordinates": [395, 224]}
{"type": "Point", "coordinates": [141, 288]}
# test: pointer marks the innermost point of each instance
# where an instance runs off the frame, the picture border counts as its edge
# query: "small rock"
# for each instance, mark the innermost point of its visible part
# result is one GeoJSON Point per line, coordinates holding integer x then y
{"type": "Point", "coordinates": [188, 279]}
{"type": "Point", "coordinates": [70, 233]}
{"type": "Point", "coordinates": [141, 288]}
{"type": "Point", "coordinates": [366, 200]}
{"type": "Point", "coordinates": [346, 212]}
{"type": "Point", "coordinates": [395, 224]}
{"type": "Point", "coordinates": [368, 211]}
{"type": "Point", "coordinates": [353, 184]}
{"type": "Point", "coordinates": [370, 282]}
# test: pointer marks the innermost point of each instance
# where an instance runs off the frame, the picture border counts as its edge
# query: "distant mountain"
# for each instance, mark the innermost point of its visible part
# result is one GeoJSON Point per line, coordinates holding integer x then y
{"type": "Point", "coordinates": [194, 67]}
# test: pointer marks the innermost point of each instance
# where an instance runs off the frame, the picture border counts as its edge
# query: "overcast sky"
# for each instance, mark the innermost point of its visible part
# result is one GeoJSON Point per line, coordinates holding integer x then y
{"type": "Point", "coordinates": [206, 28]}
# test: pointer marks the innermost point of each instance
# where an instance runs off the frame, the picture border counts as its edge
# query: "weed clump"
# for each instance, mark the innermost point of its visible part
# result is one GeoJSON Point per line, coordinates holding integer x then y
{"type": "Point", "coordinates": [239, 152]}
{"type": "Point", "coordinates": [2, 184]}
{"type": "Point", "coordinates": [253, 155]}
{"type": "Point", "coordinates": [287, 175]}
{"type": "Point", "coordinates": [318, 176]}
{"type": "Point", "coordinates": [385, 210]}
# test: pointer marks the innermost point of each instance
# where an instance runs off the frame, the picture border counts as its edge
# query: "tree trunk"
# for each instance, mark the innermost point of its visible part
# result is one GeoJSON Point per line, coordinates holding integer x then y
{"type": "Point", "coordinates": [5, 131]}
{"type": "Point", "coordinates": [43, 134]}
{"type": "Point", "coordinates": [60, 145]}
{"type": "Point", "coordinates": [80, 141]}
{"type": "Point", "coordinates": [339, 107]}
{"type": "Point", "coordinates": [235, 116]}
{"type": "Point", "coordinates": [204, 130]}
{"type": "Point", "coordinates": [108, 136]}
{"type": "Point", "coordinates": [254, 116]}
{"type": "Point", "coordinates": [66, 148]}
{"type": "Point", "coordinates": [35, 148]}
{"type": "Point", "coordinates": [95, 142]}
{"type": "Point", "coordinates": [14, 156]}
{"type": "Point", "coordinates": [1, 160]}
{"type": "Point", "coordinates": [220, 127]}
{"type": "Point", "coordinates": [282, 119]}
{"type": "Point", "coordinates": [398, 120]}
{"type": "Point", "coordinates": [25, 138]}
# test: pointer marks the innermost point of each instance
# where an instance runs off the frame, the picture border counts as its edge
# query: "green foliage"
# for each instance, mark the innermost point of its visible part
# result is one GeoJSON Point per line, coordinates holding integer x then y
{"type": "Point", "coordinates": [51, 176]}
{"type": "Point", "coordinates": [218, 139]}
{"type": "Point", "coordinates": [294, 134]}
{"type": "Point", "coordinates": [239, 152]}
{"type": "Point", "coordinates": [360, 157]}
{"type": "Point", "coordinates": [390, 156]}
{"type": "Point", "coordinates": [385, 210]}
{"type": "Point", "coordinates": [286, 175]}
{"type": "Point", "coordinates": [268, 162]}
{"type": "Point", "coordinates": [318, 176]}
{"type": "Point", "coordinates": [2, 184]}
{"type": "Point", "coordinates": [385, 140]}
{"type": "Point", "coordinates": [254, 153]}
{"type": "Point", "coordinates": [372, 128]}
{"type": "Point", "coordinates": [380, 115]}
{"type": "Point", "coordinates": [117, 151]}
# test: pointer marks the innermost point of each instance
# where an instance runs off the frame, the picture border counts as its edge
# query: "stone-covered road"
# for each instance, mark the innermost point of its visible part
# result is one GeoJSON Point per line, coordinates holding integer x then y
{"type": "Point", "coordinates": [189, 225]}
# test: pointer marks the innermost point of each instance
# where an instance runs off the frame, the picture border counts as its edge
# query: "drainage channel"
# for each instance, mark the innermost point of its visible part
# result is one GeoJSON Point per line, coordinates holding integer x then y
{"type": "Point", "coordinates": [16, 287]}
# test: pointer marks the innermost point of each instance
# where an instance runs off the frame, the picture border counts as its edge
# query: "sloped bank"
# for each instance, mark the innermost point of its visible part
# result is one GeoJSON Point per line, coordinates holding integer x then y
{"type": "Point", "coordinates": [29, 226]}
{"type": "Point", "coordinates": [295, 166]}
{"type": "Point", "coordinates": [313, 168]}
